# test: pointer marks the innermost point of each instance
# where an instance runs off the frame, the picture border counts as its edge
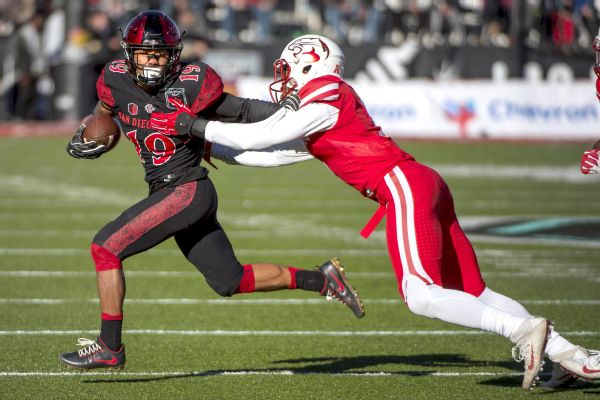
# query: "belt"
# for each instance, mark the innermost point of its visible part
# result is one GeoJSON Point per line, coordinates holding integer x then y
{"type": "Point", "coordinates": [373, 222]}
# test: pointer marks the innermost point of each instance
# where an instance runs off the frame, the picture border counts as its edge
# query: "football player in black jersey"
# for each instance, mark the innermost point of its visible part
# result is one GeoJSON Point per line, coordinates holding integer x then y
{"type": "Point", "coordinates": [182, 202]}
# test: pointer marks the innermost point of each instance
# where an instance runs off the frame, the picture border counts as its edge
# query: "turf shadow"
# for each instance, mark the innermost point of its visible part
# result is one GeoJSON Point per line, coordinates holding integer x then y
{"type": "Point", "coordinates": [337, 365]}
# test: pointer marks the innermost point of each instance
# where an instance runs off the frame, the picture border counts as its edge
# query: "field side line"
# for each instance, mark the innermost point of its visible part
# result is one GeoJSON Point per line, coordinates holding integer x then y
{"type": "Point", "coordinates": [272, 333]}
{"type": "Point", "coordinates": [282, 302]}
{"type": "Point", "coordinates": [10, 374]}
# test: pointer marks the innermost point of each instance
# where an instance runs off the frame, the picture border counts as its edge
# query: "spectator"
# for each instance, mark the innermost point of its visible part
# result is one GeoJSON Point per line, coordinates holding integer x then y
{"type": "Point", "coordinates": [563, 27]}
{"type": "Point", "coordinates": [445, 22]}
{"type": "Point", "coordinates": [26, 62]}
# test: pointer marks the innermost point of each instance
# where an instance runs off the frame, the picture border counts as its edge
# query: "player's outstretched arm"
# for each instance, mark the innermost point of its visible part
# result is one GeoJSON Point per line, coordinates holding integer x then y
{"type": "Point", "coordinates": [274, 156]}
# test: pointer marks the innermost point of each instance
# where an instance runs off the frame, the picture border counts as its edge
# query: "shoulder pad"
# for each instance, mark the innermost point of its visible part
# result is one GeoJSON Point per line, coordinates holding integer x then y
{"type": "Point", "coordinates": [211, 85]}
{"type": "Point", "coordinates": [106, 81]}
{"type": "Point", "coordinates": [319, 91]}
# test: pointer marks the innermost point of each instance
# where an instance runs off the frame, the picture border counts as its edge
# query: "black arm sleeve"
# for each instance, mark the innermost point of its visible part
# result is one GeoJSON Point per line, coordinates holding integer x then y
{"type": "Point", "coordinates": [230, 108]}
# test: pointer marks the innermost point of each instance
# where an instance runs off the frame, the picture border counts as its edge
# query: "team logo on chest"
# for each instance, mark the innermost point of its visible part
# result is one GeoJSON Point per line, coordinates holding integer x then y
{"type": "Point", "coordinates": [149, 108]}
{"type": "Point", "coordinates": [132, 108]}
{"type": "Point", "coordinates": [178, 93]}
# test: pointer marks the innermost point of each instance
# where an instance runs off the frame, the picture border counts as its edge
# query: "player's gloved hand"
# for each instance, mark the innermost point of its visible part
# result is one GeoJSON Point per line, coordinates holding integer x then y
{"type": "Point", "coordinates": [590, 162]}
{"type": "Point", "coordinates": [291, 102]}
{"type": "Point", "coordinates": [180, 122]}
{"type": "Point", "coordinates": [79, 149]}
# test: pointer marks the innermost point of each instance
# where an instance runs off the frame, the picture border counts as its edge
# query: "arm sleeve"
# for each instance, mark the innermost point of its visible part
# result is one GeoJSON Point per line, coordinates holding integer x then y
{"type": "Point", "coordinates": [230, 108]}
{"type": "Point", "coordinates": [274, 156]}
{"type": "Point", "coordinates": [281, 127]}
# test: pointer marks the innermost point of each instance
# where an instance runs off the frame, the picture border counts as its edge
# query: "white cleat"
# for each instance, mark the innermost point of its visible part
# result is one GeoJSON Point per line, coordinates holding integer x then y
{"type": "Point", "coordinates": [586, 368]}
{"type": "Point", "coordinates": [530, 339]}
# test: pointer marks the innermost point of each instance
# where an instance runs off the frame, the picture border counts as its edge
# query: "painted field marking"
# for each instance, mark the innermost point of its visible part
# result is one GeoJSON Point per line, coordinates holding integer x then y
{"type": "Point", "coordinates": [184, 374]}
{"type": "Point", "coordinates": [274, 302]}
{"type": "Point", "coordinates": [270, 333]}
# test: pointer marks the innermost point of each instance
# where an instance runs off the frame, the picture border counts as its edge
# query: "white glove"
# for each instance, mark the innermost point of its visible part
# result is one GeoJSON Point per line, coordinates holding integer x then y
{"type": "Point", "coordinates": [590, 161]}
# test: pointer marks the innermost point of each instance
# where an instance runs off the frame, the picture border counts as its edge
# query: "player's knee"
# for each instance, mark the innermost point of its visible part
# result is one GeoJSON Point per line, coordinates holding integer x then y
{"type": "Point", "coordinates": [223, 289]}
{"type": "Point", "coordinates": [228, 288]}
{"type": "Point", "coordinates": [417, 296]}
{"type": "Point", "coordinates": [104, 260]}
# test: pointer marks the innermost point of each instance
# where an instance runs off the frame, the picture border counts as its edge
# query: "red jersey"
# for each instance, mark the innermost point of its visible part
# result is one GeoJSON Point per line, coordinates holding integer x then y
{"type": "Point", "coordinates": [354, 148]}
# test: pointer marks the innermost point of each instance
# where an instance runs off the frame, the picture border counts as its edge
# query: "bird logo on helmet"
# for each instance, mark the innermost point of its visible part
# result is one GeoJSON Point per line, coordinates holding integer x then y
{"type": "Point", "coordinates": [152, 30]}
{"type": "Point", "coordinates": [303, 59]}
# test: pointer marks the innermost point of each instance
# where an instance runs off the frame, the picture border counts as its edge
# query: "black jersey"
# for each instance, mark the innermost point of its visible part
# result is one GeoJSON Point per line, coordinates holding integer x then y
{"type": "Point", "coordinates": [167, 159]}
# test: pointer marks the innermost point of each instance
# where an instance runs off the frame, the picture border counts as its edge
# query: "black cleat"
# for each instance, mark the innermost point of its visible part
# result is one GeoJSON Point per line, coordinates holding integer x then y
{"type": "Point", "coordinates": [337, 287]}
{"type": "Point", "coordinates": [95, 355]}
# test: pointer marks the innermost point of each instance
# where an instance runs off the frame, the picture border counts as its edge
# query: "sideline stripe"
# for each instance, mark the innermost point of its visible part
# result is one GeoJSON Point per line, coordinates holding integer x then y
{"type": "Point", "coordinates": [272, 333]}
{"type": "Point", "coordinates": [8, 374]}
{"type": "Point", "coordinates": [277, 302]}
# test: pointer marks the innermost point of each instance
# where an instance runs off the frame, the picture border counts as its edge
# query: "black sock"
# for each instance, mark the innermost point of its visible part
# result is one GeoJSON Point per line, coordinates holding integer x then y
{"type": "Point", "coordinates": [110, 333]}
{"type": "Point", "coordinates": [310, 280]}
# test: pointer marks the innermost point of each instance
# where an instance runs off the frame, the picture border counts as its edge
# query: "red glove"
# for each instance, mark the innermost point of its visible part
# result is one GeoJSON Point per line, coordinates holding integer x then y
{"type": "Point", "coordinates": [590, 161]}
{"type": "Point", "coordinates": [598, 88]}
{"type": "Point", "coordinates": [165, 122]}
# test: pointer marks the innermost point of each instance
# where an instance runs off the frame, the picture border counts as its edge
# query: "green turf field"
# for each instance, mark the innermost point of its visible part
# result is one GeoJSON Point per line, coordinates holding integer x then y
{"type": "Point", "coordinates": [184, 342]}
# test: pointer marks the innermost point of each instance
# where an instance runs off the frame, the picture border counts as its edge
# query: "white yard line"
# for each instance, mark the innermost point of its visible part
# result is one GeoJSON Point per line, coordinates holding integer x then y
{"type": "Point", "coordinates": [60, 252]}
{"type": "Point", "coordinates": [274, 302]}
{"type": "Point", "coordinates": [185, 374]}
{"type": "Point", "coordinates": [270, 333]}
{"type": "Point", "coordinates": [538, 273]}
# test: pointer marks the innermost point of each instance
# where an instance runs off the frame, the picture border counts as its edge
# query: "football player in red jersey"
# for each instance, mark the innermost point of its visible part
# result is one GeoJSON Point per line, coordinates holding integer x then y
{"type": "Point", "coordinates": [436, 267]}
{"type": "Point", "coordinates": [182, 202]}
{"type": "Point", "coordinates": [590, 160]}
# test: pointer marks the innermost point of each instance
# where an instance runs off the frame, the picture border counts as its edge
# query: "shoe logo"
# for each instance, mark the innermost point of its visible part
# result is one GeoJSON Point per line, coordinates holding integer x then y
{"type": "Point", "coordinates": [112, 361]}
{"type": "Point", "coordinates": [340, 285]}
{"type": "Point", "coordinates": [590, 371]}
{"type": "Point", "coordinates": [531, 362]}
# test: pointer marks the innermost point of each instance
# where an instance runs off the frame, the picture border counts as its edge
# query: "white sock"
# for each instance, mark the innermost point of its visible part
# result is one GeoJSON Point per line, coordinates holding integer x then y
{"type": "Point", "coordinates": [458, 308]}
{"type": "Point", "coordinates": [558, 344]}
{"type": "Point", "coordinates": [500, 322]}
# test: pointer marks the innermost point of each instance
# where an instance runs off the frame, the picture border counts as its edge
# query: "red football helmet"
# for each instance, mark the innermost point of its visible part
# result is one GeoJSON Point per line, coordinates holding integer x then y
{"type": "Point", "coordinates": [152, 30]}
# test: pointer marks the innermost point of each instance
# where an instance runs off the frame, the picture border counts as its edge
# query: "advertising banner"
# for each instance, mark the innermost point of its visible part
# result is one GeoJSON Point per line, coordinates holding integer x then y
{"type": "Point", "coordinates": [474, 109]}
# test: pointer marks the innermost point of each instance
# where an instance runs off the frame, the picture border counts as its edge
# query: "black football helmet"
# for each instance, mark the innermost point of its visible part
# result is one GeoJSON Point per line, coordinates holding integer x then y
{"type": "Point", "coordinates": [152, 30]}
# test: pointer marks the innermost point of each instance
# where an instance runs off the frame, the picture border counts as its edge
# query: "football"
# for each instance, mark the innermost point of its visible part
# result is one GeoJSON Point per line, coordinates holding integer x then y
{"type": "Point", "coordinates": [103, 129]}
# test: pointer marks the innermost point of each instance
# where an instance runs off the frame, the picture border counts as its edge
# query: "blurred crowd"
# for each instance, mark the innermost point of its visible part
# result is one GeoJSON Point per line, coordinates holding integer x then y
{"type": "Point", "coordinates": [33, 33]}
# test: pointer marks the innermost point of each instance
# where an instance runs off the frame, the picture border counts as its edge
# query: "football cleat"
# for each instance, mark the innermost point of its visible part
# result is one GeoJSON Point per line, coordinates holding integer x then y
{"type": "Point", "coordinates": [530, 339]}
{"type": "Point", "coordinates": [560, 378]}
{"type": "Point", "coordinates": [95, 354]}
{"type": "Point", "coordinates": [586, 368]}
{"type": "Point", "coordinates": [337, 287]}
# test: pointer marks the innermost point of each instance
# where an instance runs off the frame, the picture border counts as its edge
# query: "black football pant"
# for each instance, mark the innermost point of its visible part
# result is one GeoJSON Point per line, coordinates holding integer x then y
{"type": "Point", "coordinates": [187, 212]}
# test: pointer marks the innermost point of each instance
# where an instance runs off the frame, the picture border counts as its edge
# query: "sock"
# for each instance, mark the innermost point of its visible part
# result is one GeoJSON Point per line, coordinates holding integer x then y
{"type": "Point", "coordinates": [110, 330]}
{"type": "Point", "coordinates": [558, 344]}
{"type": "Point", "coordinates": [500, 322]}
{"type": "Point", "coordinates": [308, 280]}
